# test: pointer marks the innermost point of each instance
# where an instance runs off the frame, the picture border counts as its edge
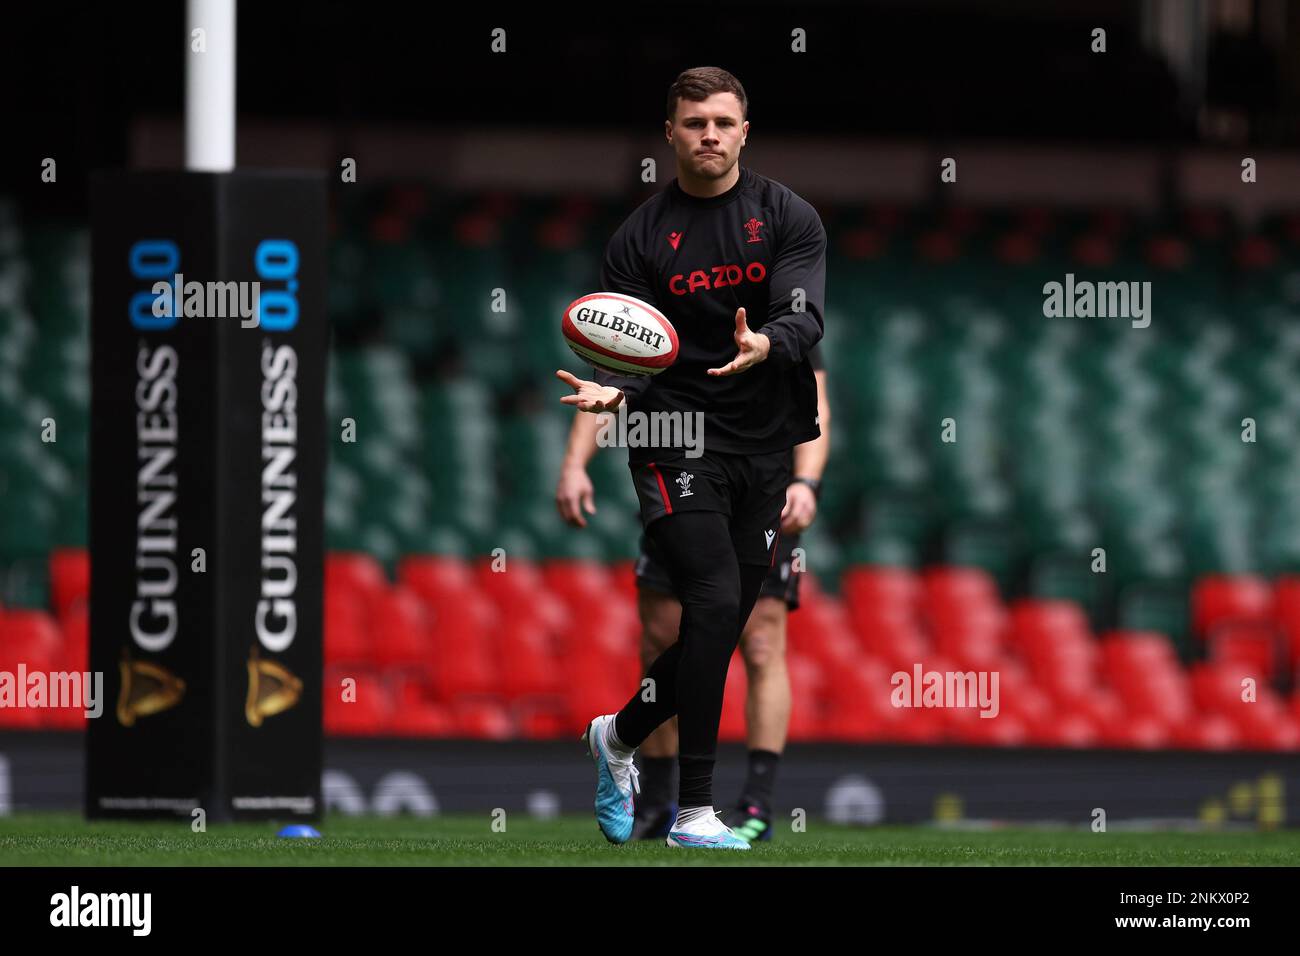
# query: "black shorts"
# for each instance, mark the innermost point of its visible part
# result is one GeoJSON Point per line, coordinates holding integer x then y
{"type": "Point", "coordinates": [748, 489]}
{"type": "Point", "coordinates": [781, 582]}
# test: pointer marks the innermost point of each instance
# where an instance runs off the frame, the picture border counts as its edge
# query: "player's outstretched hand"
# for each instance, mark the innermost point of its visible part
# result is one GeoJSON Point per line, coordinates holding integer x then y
{"type": "Point", "coordinates": [589, 396]}
{"type": "Point", "coordinates": [752, 348]}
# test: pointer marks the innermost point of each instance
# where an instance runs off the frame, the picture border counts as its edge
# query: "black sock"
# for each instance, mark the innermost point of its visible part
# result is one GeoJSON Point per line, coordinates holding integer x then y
{"type": "Point", "coordinates": [657, 775]}
{"type": "Point", "coordinates": [760, 778]}
{"type": "Point", "coordinates": [696, 786]}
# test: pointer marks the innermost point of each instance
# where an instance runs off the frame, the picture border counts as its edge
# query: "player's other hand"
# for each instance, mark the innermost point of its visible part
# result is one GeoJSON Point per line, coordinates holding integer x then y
{"type": "Point", "coordinates": [800, 509]}
{"type": "Point", "coordinates": [752, 348]}
{"type": "Point", "coordinates": [589, 396]}
{"type": "Point", "coordinates": [574, 493]}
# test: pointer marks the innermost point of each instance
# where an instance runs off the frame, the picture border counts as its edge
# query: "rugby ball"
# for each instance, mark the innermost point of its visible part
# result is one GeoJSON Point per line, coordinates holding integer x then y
{"type": "Point", "coordinates": [620, 334]}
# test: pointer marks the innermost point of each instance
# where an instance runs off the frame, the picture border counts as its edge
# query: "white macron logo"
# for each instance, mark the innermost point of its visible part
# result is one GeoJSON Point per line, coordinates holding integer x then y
{"type": "Point", "coordinates": [769, 535]}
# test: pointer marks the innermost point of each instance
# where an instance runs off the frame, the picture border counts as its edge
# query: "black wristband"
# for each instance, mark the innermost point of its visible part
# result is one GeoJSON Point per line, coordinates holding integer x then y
{"type": "Point", "coordinates": [812, 483]}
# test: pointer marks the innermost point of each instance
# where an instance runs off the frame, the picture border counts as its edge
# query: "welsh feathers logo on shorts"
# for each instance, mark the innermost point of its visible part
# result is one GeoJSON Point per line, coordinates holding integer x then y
{"type": "Point", "coordinates": [684, 481]}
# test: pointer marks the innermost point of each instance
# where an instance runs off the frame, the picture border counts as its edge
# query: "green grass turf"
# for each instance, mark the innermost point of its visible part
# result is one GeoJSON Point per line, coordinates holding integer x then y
{"type": "Point", "coordinates": [467, 840]}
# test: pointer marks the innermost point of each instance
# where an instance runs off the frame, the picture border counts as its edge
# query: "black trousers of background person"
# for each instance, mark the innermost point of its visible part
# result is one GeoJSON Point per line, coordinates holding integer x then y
{"type": "Point", "coordinates": [717, 594]}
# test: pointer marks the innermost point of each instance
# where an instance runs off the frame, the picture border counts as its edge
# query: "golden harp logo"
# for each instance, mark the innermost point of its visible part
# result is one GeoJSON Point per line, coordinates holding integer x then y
{"type": "Point", "coordinates": [147, 688]}
{"type": "Point", "coordinates": [272, 689]}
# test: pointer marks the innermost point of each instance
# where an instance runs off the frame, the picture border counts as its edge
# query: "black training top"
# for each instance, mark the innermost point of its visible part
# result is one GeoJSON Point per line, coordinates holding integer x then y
{"type": "Point", "coordinates": [698, 261]}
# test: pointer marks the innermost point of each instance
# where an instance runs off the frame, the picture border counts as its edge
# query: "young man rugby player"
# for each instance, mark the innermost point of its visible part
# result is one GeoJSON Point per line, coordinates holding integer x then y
{"type": "Point", "coordinates": [719, 248]}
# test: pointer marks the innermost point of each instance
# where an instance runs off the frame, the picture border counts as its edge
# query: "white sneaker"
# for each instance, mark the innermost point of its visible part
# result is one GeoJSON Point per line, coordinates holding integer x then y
{"type": "Point", "coordinates": [616, 781]}
{"type": "Point", "coordinates": [703, 830]}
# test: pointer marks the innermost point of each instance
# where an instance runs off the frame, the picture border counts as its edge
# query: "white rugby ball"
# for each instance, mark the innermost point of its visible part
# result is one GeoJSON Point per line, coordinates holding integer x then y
{"type": "Point", "coordinates": [620, 333]}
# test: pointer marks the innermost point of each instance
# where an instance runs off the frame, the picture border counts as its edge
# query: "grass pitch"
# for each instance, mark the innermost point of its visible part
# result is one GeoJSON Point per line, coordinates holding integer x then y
{"type": "Point", "coordinates": [468, 840]}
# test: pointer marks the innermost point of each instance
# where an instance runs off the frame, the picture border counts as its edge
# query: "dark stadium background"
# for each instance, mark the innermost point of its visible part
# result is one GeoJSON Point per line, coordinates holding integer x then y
{"type": "Point", "coordinates": [1005, 70]}
{"type": "Point", "coordinates": [1084, 433]}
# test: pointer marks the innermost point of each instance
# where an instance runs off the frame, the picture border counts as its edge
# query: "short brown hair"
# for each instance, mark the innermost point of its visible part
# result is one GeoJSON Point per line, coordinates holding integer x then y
{"type": "Point", "coordinates": [701, 82]}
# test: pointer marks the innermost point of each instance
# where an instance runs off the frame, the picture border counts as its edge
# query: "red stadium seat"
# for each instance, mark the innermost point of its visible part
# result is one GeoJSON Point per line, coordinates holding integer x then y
{"type": "Point", "coordinates": [1071, 729]}
{"type": "Point", "coordinates": [1218, 688]}
{"type": "Point", "coordinates": [805, 719]}
{"type": "Point", "coordinates": [731, 729]}
{"type": "Point", "coordinates": [1142, 669]}
{"type": "Point", "coordinates": [69, 579]}
{"type": "Point", "coordinates": [974, 640]}
{"type": "Point", "coordinates": [1137, 648]}
{"type": "Point", "coordinates": [465, 671]}
{"type": "Point", "coordinates": [822, 633]}
{"type": "Point", "coordinates": [1137, 731]}
{"type": "Point", "coordinates": [964, 724]}
{"type": "Point", "coordinates": [1034, 623]}
{"type": "Point", "coordinates": [1103, 707]}
{"type": "Point", "coordinates": [401, 630]}
{"type": "Point", "coordinates": [1286, 609]}
{"type": "Point", "coordinates": [1165, 697]}
{"type": "Point", "coordinates": [355, 574]}
{"type": "Point", "coordinates": [964, 587]}
{"type": "Point", "coordinates": [422, 720]}
{"type": "Point", "coordinates": [1220, 598]}
{"type": "Point", "coordinates": [897, 644]}
{"type": "Point", "coordinates": [592, 685]}
{"type": "Point", "coordinates": [1252, 644]}
{"type": "Point", "coordinates": [521, 580]}
{"type": "Point", "coordinates": [409, 689]}
{"type": "Point", "coordinates": [1206, 732]}
{"type": "Point", "coordinates": [346, 634]}
{"type": "Point", "coordinates": [521, 592]}
{"type": "Point", "coordinates": [807, 683]}
{"type": "Point", "coordinates": [366, 715]}
{"type": "Point", "coordinates": [438, 580]}
{"type": "Point", "coordinates": [21, 718]}
{"type": "Point", "coordinates": [982, 617]}
{"type": "Point", "coordinates": [470, 619]}
{"type": "Point", "coordinates": [847, 675]}
{"type": "Point", "coordinates": [76, 639]}
{"type": "Point", "coordinates": [546, 723]}
{"type": "Point", "coordinates": [579, 583]}
{"type": "Point", "coordinates": [1266, 728]}
{"type": "Point", "coordinates": [483, 719]}
{"type": "Point", "coordinates": [867, 613]}
{"type": "Point", "coordinates": [812, 594]}
{"type": "Point", "coordinates": [624, 576]}
{"type": "Point", "coordinates": [916, 726]}
{"type": "Point", "coordinates": [608, 630]}
{"type": "Point", "coordinates": [1027, 702]}
{"type": "Point", "coordinates": [856, 701]}
{"type": "Point", "coordinates": [67, 718]}
{"type": "Point", "coordinates": [526, 662]}
{"type": "Point", "coordinates": [29, 637]}
{"type": "Point", "coordinates": [873, 586]}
